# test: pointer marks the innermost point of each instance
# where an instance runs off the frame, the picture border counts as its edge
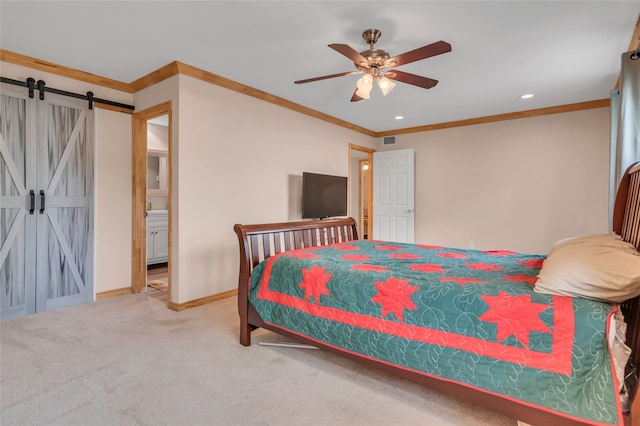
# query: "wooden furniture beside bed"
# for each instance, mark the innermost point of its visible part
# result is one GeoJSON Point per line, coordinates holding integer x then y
{"type": "Point", "coordinates": [626, 223]}
{"type": "Point", "coordinates": [258, 242]}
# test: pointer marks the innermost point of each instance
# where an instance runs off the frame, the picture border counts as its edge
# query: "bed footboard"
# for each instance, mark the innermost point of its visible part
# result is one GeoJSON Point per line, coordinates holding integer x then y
{"type": "Point", "coordinates": [259, 242]}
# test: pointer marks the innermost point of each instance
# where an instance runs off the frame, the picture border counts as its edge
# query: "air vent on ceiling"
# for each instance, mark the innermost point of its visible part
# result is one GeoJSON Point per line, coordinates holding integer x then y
{"type": "Point", "coordinates": [389, 140]}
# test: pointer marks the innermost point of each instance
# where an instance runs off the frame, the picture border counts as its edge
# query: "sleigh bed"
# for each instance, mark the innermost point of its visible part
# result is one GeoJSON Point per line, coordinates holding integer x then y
{"type": "Point", "coordinates": [468, 323]}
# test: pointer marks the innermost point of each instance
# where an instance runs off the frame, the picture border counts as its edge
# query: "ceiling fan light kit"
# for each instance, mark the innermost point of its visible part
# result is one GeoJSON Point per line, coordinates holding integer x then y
{"type": "Point", "coordinates": [386, 85]}
{"type": "Point", "coordinates": [373, 62]}
{"type": "Point", "coordinates": [364, 85]}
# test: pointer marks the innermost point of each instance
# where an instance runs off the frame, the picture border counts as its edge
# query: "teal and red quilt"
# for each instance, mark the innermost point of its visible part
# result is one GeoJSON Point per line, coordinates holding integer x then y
{"type": "Point", "coordinates": [465, 316]}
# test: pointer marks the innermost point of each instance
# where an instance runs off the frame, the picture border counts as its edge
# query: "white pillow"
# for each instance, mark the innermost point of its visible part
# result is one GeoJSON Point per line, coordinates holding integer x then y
{"type": "Point", "coordinates": [600, 266]}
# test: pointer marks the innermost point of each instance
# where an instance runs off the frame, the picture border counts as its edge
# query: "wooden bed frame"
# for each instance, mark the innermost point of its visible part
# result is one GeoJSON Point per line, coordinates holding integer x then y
{"type": "Point", "coordinates": [258, 242]}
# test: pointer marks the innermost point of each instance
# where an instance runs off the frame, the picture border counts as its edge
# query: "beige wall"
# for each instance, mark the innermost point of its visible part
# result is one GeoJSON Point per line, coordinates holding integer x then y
{"type": "Point", "coordinates": [518, 184]}
{"type": "Point", "coordinates": [241, 161]}
{"type": "Point", "coordinates": [157, 137]}
{"type": "Point", "coordinates": [113, 200]}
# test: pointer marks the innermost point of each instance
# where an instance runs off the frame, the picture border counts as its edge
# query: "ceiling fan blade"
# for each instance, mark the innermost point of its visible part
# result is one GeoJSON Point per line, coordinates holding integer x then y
{"type": "Point", "coordinates": [324, 77]}
{"type": "Point", "coordinates": [355, 97]}
{"type": "Point", "coordinates": [423, 52]}
{"type": "Point", "coordinates": [350, 53]}
{"type": "Point", "coordinates": [416, 80]}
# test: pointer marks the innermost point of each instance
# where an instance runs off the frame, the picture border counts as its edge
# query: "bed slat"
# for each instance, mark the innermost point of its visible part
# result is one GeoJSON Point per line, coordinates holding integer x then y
{"type": "Point", "coordinates": [287, 240]}
{"type": "Point", "coordinates": [255, 252]}
{"type": "Point", "coordinates": [631, 224]}
{"type": "Point", "coordinates": [266, 246]}
{"type": "Point", "coordinates": [276, 242]}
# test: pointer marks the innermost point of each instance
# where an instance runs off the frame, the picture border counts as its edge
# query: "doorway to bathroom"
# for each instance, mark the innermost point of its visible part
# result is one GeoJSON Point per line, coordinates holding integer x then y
{"type": "Point", "coordinates": [157, 283]}
{"type": "Point", "coordinates": [151, 243]}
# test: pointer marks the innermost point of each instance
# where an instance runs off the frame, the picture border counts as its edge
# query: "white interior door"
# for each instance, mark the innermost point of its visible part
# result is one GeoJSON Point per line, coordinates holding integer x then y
{"type": "Point", "coordinates": [393, 195]}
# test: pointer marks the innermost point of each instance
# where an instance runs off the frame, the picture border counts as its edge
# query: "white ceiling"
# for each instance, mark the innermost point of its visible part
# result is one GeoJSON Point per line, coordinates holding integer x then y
{"type": "Point", "coordinates": [563, 52]}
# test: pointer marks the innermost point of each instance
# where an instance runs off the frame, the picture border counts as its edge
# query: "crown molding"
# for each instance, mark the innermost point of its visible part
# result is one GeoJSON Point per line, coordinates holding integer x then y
{"type": "Point", "coordinates": [155, 77]}
{"type": "Point", "coordinates": [600, 103]}
{"type": "Point", "coordinates": [39, 64]}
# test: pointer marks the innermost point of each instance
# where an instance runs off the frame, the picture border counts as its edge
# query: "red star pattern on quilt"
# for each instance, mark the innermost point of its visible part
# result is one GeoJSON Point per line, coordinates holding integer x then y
{"type": "Point", "coordinates": [404, 256]}
{"type": "Point", "coordinates": [369, 268]}
{"type": "Point", "coordinates": [347, 248]}
{"type": "Point", "coordinates": [514, 316]}
{"type": "Point", "coordinates": [381, 247]}
{"type": "Point", "coordinates": [500, 252]}
{"type": "Point", "coordinates": [532, 263]}
{"type": "Point", "coordinates": [314, 282]}
{"type": "Point", "coordinates": [355, 257]}
{"type": "Point", "coordinates": [453, 255]}
{"type": "Point", "coordinates": [481, 266]}
{"type": "Point", "coordinates": [521, 278]}
{"type": "Point", "coordinates": [427, 267]}
{"type": "Point", "coordinates": [428, 247]}
{"type": "Point", "coordinates": [395, 296]}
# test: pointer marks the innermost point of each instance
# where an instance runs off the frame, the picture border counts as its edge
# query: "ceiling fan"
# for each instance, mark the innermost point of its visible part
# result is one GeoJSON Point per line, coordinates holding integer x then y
{"type": "Point", "coordinates": [372, 63]}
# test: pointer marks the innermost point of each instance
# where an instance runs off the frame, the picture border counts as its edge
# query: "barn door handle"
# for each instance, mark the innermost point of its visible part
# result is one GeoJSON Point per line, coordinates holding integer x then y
{"type": "Point", "coordinates": [32, 201]}
{"type": "Point", "coordinates": [41, 201]}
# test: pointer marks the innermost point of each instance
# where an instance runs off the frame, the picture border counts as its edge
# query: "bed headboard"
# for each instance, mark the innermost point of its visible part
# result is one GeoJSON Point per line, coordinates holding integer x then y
{"type": "Point", "coordinates": [259, 242]}
{"type": "Point", "coordinates": [626, 211]}
{"type": "Point", "coordinates": [626, 223]}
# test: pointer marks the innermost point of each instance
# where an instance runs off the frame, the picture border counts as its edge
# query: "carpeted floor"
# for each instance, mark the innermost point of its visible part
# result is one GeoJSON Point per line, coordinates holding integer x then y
{"type": "Point", "coordinates": [129, 360]}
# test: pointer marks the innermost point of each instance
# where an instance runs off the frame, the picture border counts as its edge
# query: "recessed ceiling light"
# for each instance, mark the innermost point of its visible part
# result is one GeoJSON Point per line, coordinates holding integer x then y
{"type": "Point", "coordinates": [527, 96]}
{"type": "Point", "coordinates": [398, 117]}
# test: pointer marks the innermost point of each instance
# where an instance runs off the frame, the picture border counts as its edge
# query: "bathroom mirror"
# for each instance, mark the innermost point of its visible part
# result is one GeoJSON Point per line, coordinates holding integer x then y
{"type": "Point", "coordinates": [157, 172]}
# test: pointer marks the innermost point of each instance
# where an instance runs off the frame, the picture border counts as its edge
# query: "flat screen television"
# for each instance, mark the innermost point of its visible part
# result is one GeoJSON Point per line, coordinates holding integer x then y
{"type": "Point", "coordinates": [323, 196]}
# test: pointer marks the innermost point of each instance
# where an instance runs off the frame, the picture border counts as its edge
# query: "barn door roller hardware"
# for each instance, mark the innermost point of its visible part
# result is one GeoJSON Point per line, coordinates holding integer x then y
{"type": "Point", "coordinates": [41, 87]}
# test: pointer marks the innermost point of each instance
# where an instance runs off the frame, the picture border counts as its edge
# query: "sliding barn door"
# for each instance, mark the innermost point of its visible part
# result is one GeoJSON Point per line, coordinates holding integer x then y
{"type": "Point", "coordinates": [47, 199]}
{"type": "Point", "coordinates": [65, 194]}
{"type": "Point", "coordinates": [17, 203]}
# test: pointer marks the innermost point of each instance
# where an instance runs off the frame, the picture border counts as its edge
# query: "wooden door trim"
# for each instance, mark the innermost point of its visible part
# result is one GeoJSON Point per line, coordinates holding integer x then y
{"type": "Point", "coordinates": [139, 195]}
{"type": "Point", "coordinates": [369, 152]}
